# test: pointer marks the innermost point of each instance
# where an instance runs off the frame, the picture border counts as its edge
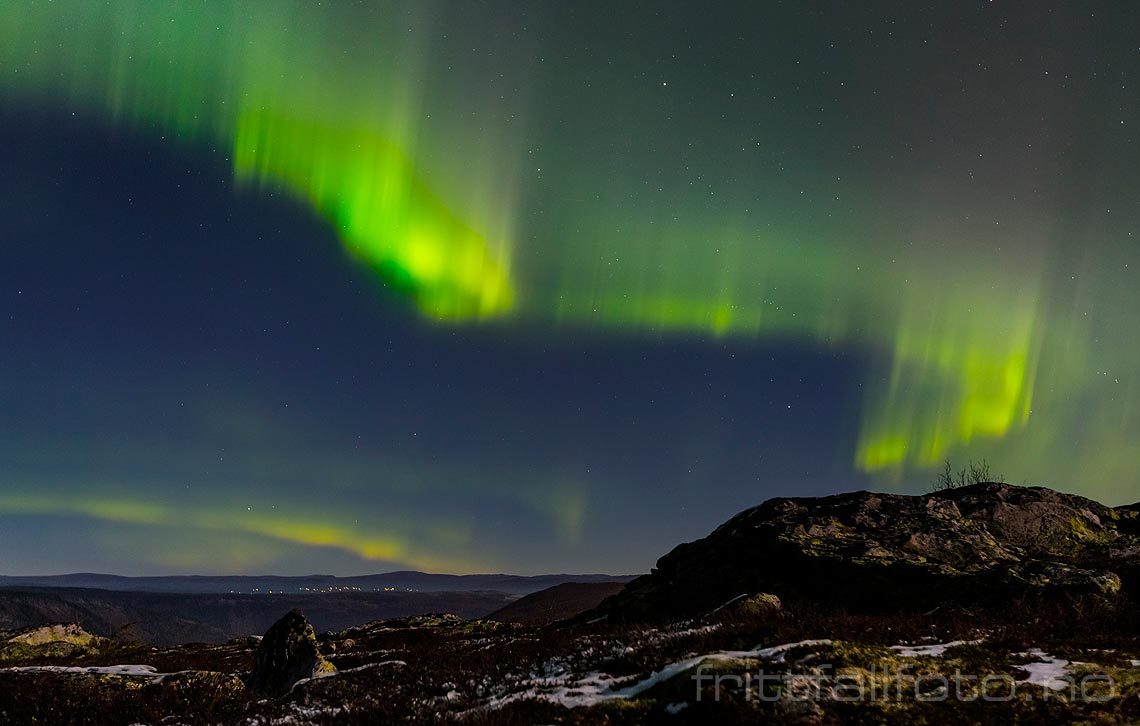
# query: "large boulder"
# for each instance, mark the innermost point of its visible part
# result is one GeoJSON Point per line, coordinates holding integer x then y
{"type": "Point", "coordinates": [761, 606]}
{"type": "Point", "coordinates": [287, 654]}
{"type": "Point", "coordinates": [980, 543]}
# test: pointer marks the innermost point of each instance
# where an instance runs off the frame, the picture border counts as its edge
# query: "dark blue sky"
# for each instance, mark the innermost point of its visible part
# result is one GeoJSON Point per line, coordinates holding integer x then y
{"type": "Point", "coordinates": [540, 287]}
{"type": "Point", "coordinates": [167, 338]}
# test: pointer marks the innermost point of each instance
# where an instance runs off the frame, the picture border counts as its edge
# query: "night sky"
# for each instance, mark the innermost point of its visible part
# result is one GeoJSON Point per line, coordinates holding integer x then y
{"type": "Point", "coordinates": [346, 287]}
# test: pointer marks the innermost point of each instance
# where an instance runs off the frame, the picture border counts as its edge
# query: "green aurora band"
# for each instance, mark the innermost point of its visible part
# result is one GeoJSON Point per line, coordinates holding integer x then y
{"type": "Point", "coordinates": [334, 110]}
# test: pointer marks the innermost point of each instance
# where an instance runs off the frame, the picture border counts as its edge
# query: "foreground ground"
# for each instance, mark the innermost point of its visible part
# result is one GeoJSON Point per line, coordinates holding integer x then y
{"type": "Point", "coordinates": [795, 663]}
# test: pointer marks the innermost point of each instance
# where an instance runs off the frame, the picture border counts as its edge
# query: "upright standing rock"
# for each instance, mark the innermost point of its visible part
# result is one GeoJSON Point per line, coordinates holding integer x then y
{"type": "Point", "coordinates": [288, 653]}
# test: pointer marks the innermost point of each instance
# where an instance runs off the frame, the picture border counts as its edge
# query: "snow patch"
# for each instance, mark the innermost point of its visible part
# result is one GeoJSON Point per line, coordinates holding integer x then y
{"type": "Point", "coordinates": [776, 653]}
{"type": "Point", "coordinates": [596, 687]}
{"type": "Point", "coordinates": [1047, 672]}
{"type": "Point", "coordinates": [590, 690]}
{"type": "Point", "coordinates": [703, 630]}
{"type": "Point", "coordinates": [781, 650]}
{"type": "Point", "coordinates": [369, 666]}
{"type": "Point", "coordinates": [301, 715]}
{"type": "Point", "coordinates": [115, 670]}
{"type": "Point", "coordinates": [934, 650]}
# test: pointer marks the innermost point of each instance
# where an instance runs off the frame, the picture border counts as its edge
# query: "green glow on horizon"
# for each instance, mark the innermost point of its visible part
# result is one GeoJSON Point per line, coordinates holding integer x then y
{"type": "Point", "coordinates": [303, 529]}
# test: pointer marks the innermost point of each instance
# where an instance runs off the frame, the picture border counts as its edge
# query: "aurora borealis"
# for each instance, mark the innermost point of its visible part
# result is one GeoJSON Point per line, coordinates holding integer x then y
{"type": "Point", "coordinates": [547, 286]}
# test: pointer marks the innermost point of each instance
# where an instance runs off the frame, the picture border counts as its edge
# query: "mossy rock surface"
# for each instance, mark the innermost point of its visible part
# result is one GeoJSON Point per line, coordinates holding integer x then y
{"type": "Point", "coordinates": [985, 543]}
{"type": "Point", "coordinates": [287, 653]}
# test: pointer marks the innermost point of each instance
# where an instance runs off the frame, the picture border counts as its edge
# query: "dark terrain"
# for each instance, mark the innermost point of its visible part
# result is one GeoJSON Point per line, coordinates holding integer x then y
{"type": "Point", "coordinates": [987, 544]}
{"type": "Point", "coordinates": [984, 604]}
{"type": "Point", "coordinates": [165, 619]}
{"type": "Point", "coordinates": [152, 610]}
{"type": "Point", "coordinates": [560, 602]}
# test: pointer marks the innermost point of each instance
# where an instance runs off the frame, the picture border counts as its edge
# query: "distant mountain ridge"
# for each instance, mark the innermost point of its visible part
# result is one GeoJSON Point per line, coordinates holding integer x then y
{"type": "Point", "coordinates": [404, 580]}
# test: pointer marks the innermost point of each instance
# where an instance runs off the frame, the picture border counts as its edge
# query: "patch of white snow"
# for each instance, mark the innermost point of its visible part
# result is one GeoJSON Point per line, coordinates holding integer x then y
{"type": "Point", "coordinates": [1048, 672]}
{"type": "Point", "coordinates": [369, 666]}
{"type": "Point", "coordinates": [934, 650]}
{"type": "Point", "coordinates": [597, 687]}
{"type": "Point", "coordinates": [115, 670]}
{"type": "Point", "coordinates": [675, 708]}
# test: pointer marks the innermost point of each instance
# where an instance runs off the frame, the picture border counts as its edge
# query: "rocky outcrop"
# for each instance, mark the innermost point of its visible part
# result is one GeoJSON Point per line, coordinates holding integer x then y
{"type": "Point", "coordinates": [48, 641]}
{"type": "Point", "coordinates": [44, 634]}
{"type": "Point", "coordinates": [980, 543]}
{"type": "Point", "coordinates": [288, 653]}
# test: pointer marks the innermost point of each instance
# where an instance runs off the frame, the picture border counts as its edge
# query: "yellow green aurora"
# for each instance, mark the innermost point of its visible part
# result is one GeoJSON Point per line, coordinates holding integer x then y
{"type": "Point", "coordinates": [965, 234]}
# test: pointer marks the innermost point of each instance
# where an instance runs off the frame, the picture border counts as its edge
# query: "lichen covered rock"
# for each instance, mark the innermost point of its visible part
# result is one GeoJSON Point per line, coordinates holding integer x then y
{"type": "Point", "coordinates": [288, 653]}
{"type": "Point", "coordinates": [61, 640]}
{"type": "Point", "coordinates": [753, 607]}
{"type": "Point", "coordinates": [978, 543]}
{"type": "Point", "coordinates": [58, 633]}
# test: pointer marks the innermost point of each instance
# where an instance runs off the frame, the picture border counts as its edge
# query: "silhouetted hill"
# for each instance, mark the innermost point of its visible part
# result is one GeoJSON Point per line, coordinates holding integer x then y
{"type": "Point", "coordinates": [987, 544]}
{"type": "Point", "coordinates": [556, 603]}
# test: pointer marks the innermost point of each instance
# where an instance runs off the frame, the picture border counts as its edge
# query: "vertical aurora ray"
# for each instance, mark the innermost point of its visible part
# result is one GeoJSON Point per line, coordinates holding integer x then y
{"type": "Point", "coordinates": [976, 346]}
{"type": "Point", "coordinates": [962, 362]}
{"type": "Point", "coordinates": [387, 217]}
{"type": "Point", "coordinates": [958, 373]}
{"type": "Point", "coordinates": [233, 73]}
